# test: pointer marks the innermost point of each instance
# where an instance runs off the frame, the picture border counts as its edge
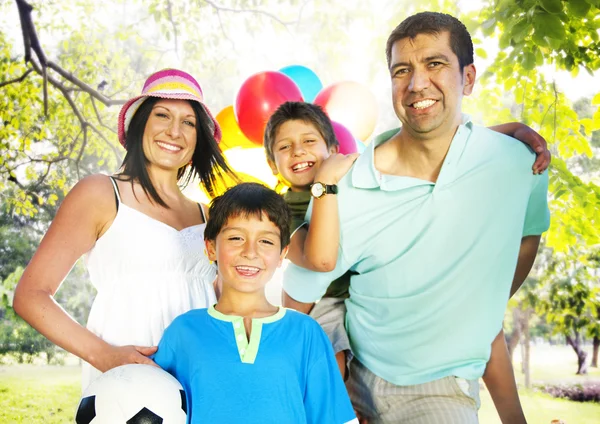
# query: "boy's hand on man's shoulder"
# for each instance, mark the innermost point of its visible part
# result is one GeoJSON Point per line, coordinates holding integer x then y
{"type": "Point", "coordinates": [538, 144]}
{"type": "Point", "coordinates": [335, 167]}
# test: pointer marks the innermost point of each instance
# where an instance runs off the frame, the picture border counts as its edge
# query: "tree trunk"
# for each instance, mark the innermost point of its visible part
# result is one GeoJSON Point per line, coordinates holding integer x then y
{"type": "Point", "coordinates": [575, 343]}
{"type": "Point", "coordinates": [512, 339]}
{"type": "Point", "coordinates": [596, 345]}
{"type": "Point", "coordinates": [527, 343]}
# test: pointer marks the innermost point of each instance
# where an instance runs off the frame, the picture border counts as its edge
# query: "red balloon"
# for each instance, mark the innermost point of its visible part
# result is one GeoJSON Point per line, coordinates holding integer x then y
{"type": "Point", "coordinates": [259, 96]}
{"type": "Point", "coordinates": [345, 138]}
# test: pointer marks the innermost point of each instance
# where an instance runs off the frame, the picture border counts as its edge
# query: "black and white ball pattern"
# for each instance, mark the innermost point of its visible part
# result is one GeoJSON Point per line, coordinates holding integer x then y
{"type": "Point", "coordinates": [133, 394]}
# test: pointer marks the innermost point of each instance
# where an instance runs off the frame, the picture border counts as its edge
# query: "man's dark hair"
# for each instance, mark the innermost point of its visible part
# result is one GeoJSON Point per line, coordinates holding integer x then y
{"type": "Point", "coordinates": [301, 111]}
{"type": "Point", "coordinates": [208, 163]}
{"type": "Point", "coordinates": [249, 199]}
{"type": "Point", "coordinates": [434, 23]}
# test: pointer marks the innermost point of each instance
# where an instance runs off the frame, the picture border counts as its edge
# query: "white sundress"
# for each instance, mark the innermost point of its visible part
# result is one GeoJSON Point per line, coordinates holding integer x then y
{"type": "Point", "coordinates": [146, 274]}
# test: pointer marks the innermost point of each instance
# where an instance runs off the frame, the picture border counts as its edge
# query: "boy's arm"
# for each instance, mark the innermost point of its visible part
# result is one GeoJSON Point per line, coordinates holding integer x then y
{"type": "Point", "coordinates": [288, 302]}
{"type": "Point", "coordinates": [527, 253]}
{"type": "Point", "coordinates": [326, 399]}
{"type": "Point", "coordinates": [165, 356]}
{"type": "Point", "coordinates": [530, 137]}
{"type": "Point", "coordinates": [317, 248]}
{"type": "Point", "coordinates": [500, 381]}
{"type": "Point", "coordinates": [499, 376]}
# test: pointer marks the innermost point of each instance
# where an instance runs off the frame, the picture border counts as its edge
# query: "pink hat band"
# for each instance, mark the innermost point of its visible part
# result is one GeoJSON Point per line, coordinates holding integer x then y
{"type": "Point", "coordinates": [166, 84]}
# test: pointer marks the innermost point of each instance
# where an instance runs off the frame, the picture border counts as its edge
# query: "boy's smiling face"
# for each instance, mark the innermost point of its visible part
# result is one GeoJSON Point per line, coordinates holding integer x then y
{"type": "Point", "coordinates": [298, 150]}
{"type": "Point", "coordinates": [247, 251]}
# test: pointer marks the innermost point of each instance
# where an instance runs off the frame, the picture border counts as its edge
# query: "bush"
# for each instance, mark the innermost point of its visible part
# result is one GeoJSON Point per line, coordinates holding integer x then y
{"type": "Point", "coordinates": [586, 392]}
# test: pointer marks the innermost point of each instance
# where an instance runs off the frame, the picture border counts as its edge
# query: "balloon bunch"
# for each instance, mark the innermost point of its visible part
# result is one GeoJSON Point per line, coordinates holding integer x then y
{"type": "Point", "coordinates": [351, 107]}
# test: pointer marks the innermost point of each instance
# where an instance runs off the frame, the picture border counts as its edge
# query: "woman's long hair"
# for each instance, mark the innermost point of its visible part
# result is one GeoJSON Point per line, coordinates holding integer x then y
{"type": "Point", "coordinates": [208, 162]}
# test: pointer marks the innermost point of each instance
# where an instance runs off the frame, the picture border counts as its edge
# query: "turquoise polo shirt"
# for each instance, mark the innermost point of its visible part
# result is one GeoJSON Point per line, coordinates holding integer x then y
{"type": "Point", "coordinates": [435, 261]}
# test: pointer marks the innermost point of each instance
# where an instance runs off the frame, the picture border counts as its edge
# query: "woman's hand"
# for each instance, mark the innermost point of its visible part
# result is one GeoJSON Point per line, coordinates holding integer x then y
{"type": "Point", "coordinates": [116, 356]}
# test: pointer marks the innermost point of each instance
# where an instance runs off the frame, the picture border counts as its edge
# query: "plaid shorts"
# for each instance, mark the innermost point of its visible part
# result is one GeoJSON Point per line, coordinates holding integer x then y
{"type": "Point", "coordinates": [449, 400]}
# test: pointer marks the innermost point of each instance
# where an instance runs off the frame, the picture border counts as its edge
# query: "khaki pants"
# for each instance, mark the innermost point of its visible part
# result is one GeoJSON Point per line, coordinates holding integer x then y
{"type": "Point", "coordinates": [449, 400]}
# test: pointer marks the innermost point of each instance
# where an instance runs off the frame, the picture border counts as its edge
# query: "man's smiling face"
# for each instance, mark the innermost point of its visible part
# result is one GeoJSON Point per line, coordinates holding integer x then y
{"type": "Point", "coordinates": [428, 84]}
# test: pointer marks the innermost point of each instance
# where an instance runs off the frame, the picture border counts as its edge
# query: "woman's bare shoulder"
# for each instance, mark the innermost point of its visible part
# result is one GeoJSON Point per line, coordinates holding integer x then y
{"type": "Point", "coordinates": [94, 193]}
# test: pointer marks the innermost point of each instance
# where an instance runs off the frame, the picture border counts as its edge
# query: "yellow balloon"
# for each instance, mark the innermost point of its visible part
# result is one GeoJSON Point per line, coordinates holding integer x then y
{"type": "Point", "coordinates": [225, 183]}
{"type": "Point", "coordinates": [232, 135]}
{"type": "Point", "coordinates": [250, 165]}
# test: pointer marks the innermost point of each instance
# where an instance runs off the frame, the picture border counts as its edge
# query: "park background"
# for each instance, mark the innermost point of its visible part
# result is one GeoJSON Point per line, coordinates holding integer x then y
{"type": "Point", "coordinates": [537, 62]}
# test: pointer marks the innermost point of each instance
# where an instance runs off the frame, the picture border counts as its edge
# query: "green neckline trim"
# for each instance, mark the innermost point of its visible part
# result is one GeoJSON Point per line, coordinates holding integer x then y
{"type": "Point", "coordinates": [233, 318]}
{"type": "Point", "coordinates": [247, 349]}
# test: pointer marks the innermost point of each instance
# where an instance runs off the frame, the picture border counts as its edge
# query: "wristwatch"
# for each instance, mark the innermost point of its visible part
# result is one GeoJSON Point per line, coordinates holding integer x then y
{"type": "Point", "coordinates": [318, 190]}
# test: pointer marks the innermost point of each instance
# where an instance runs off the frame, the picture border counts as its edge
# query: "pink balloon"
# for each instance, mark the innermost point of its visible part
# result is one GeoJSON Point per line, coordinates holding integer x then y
{"type": "Point", "coordinates": [345, 138]}
{"type": "Point", "coordinates": [351, 104]}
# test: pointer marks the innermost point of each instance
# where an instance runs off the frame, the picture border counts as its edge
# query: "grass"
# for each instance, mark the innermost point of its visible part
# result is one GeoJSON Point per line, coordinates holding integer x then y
{"type": "Point", "coordinates": [50, 394]}
{"type": "Point", "coordinates": [541, 408]}
{"type": "Point", "coordinates": [39, 394]}
{"type": "Point", "coordinates": [549, 365]}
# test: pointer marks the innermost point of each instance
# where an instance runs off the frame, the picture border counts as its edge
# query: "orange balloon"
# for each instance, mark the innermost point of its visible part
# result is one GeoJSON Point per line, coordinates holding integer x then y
{"type": "Point", "coordinates": [232, 135]}
{"type": "Point", "coordinates": [352, 105]}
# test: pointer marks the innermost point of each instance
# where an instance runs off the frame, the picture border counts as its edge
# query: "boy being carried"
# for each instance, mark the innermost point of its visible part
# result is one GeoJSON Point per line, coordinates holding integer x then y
{"type": "Point", "coordinates": [243, 359]}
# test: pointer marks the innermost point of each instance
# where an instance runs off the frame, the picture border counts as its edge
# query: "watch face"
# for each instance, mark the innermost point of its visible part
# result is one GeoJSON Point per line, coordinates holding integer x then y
{"type": "Point", "coordinates": [317, 190]}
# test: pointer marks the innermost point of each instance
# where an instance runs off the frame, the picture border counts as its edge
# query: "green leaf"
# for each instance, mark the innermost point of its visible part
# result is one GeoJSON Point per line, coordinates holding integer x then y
{"type": "Point", "coordinates": [481, 53]}
{"type": "Point", "coordinates": [578, 8]}
{"type": "Point", "coordinates": [552, 6]}
{"type": "Point", "coordinates": [520, 30]}
{"type": "Point", "coordinates": [559, 193]}
{"type": "Point", "coordinates": [550, 26]}
{"type": "Point", "coordinates": [597, 119]}
{"type": "Point", "coordinates": [528, 61]}
{"type": "Point", "coordinates": [488, 26]}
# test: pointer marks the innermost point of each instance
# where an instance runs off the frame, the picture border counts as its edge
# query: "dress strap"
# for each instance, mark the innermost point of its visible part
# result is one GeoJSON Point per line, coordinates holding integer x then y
{"type": "Point", "coordinates": [117, 193]}
{"type": "Point", "coordinates": [202, 212]}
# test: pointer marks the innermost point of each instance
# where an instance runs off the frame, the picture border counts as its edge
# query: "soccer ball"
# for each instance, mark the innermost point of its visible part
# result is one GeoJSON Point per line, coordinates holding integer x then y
{"type": "Point", "coordinates": [133, 394]}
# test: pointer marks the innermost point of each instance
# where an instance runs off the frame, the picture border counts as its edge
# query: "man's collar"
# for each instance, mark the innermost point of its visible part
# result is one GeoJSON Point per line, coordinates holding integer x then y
{"type": "Point", "coordinates": [364, 173]}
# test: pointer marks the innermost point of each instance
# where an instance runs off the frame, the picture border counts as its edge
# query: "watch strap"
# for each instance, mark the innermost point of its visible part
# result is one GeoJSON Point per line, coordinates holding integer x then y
{"type": "Point", "coordinates": [331, 188]}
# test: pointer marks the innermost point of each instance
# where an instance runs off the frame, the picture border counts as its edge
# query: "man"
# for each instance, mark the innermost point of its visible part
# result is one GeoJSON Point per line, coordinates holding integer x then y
{"type": "Point", "coordinates": [439, 219]}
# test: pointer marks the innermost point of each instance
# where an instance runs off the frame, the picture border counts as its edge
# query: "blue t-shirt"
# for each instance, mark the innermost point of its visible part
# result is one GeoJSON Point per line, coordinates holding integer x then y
{"type": "Point", "coordinates": [285, 373]}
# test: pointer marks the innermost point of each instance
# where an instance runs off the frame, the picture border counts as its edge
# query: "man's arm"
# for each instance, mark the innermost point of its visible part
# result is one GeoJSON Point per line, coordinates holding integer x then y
{"type": "Point", "coordinates": [499, 378]}
{"type": "Point", "coordinates": [530, 137]}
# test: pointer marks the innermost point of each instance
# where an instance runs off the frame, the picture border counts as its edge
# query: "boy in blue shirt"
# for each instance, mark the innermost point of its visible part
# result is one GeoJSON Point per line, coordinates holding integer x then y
{"type": "Point", "coordinates": [243, 359]}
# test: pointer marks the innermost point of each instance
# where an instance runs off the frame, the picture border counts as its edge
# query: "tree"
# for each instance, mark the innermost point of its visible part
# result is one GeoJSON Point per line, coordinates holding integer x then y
{"type": "Point", "coordinates": [18, 240]}
{"type": "Point", "coordinates": [16, 336]}
{"type": "Point", "coordinates": [567, 299]}
{"type": "Point", "coordinates": [58, 97]}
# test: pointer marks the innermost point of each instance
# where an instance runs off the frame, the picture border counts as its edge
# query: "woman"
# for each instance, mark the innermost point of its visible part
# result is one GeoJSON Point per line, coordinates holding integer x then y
{"type": "Point", "coordinates": [143, 239]}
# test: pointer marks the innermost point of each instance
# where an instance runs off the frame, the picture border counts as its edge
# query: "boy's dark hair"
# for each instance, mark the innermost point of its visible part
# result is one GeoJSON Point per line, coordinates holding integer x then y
{"type": "Point", "coordinates": [301, 111]}
{"type": "Point", "coordinates": [434, 23]}
{"type": "Point", "coordinates": [208, 163]}
{"type": "Point", "coordinates": [249, 199]}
